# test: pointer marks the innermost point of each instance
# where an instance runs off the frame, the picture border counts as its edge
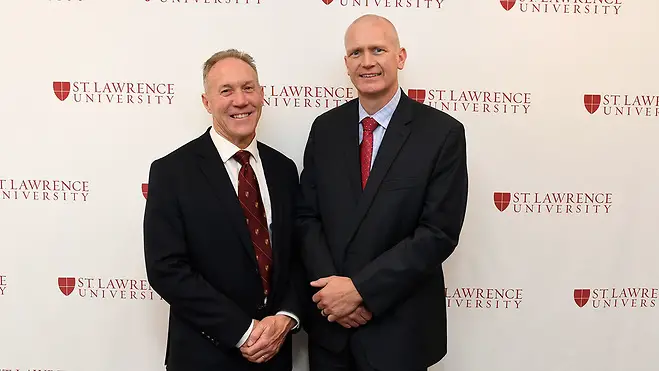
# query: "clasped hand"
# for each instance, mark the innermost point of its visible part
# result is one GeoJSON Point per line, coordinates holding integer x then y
{"type": "Point", "coordinates": [266, 338]}
{"type": "Point", "coordinates": [340, 302]}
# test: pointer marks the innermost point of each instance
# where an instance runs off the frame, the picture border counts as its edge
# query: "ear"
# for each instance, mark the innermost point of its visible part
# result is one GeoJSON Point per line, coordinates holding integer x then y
{"type": "Point", "coordinates": [402, 57]}
{"type": "Point", "coordinates": [204, 100]}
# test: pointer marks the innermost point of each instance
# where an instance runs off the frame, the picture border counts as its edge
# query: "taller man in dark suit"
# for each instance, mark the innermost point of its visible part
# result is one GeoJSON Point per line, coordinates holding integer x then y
{"type": "Point", "coordinates": [218, 233]}
{"type": "Point", "coordinates": [384, 192]}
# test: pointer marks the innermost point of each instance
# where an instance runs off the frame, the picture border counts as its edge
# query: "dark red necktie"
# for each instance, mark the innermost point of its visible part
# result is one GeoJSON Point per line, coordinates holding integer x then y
{"type": "Point", "coordinates": [366, 148]}
{"type": "Point", "coordinates": [252, 204]}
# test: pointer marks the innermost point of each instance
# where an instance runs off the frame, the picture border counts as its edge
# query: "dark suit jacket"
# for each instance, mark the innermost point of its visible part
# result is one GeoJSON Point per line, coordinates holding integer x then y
{"type": "Point", "coordinates": [200, 259]}
{"type": "Point", "coordinates": [392, 237]}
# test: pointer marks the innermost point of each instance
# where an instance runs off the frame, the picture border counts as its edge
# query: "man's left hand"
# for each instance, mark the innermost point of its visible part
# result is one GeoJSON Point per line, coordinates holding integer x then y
{"type": "Point", "coordinates": [337, 298]}
{"type": "Point", "coordinates": [355, 319]}
{"type": "Point", "coordinates": [267, 338]}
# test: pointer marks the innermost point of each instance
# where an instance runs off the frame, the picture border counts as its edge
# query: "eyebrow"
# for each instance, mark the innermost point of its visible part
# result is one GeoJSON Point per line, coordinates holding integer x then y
{"type": "Point", "coordinates": [242, 83]}
{"type": "Point", "coordinates": [360, 48]}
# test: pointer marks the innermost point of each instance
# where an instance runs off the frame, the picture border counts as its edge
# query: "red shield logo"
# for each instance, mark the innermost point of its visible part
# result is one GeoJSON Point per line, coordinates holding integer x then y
{"type": "Point", "coordinates": [592, 102]}
{"type": "Point", "coordinates": [501, 200]}
{"type": "Point", "coordinates": [66, 285]}
{"type": "Point", "coordinates": [581, 296]}
{"type": "Point", "coordinates": [418, 95]}
{"type": "Point", "coordinates": [145, 189]}
{"type": "Point", "coordinates": [61, 89]}
{"type": "Point", "coordinates": [327, 2]}
{"type": "Point", "coordinates": [507, 4]}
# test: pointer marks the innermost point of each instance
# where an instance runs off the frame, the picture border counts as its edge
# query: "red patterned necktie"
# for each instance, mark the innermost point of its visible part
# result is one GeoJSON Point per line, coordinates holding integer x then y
{"type": "Point", "coordinates": [252, 204]}
{"type": "Point", "coordinates": [366, 148]}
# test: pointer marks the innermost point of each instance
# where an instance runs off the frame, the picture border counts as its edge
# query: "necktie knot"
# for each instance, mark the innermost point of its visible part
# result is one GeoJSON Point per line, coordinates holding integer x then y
{"type": "Point", "coordinates": [369, 124]}
{"type": "Point", "coordinates": [242, 157]}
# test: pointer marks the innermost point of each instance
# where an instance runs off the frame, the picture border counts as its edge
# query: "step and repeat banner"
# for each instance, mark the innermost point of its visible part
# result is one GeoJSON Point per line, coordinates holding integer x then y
{"type": "Point", "coordinates": [556, 267]}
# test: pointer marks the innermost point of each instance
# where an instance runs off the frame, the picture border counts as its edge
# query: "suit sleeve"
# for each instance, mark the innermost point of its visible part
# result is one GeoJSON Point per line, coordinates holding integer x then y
{"type": "Point", "coordinates": [314, 249]}
{"type": "Point", "coordinates": [190, 296]}
{"type": "Point", "coordinates": [395, 273]}
{"type": "Point", "coordinates": [291, 302]}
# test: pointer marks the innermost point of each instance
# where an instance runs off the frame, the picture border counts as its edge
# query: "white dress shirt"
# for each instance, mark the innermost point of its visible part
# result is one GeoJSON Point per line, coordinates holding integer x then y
{"type": "Point", "coordinates": [226, 150]}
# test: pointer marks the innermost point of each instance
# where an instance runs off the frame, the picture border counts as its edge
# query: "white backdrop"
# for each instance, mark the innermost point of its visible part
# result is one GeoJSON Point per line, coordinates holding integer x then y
{"type": "Point", "coordinates": [563, 278]}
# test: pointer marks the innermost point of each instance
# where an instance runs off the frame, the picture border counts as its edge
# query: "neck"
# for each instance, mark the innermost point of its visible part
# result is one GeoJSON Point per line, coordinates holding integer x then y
{"type": "Point", "coordinates": [374, 103]}
{"type": "Point", "coordinates": [244, 142]}
{"type": "Point", "coordinates": [240, 142]}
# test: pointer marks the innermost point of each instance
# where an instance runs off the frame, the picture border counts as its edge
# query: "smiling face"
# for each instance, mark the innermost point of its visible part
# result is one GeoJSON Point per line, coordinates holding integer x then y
{"type": "Point", "coordinates": [234, 98]}
{"type": "Point", "coordinates": [373, 57]}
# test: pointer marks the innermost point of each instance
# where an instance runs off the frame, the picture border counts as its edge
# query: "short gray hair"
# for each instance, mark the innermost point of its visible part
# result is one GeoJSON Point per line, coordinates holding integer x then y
{"type": "Point", "coordinates": [228, 53]}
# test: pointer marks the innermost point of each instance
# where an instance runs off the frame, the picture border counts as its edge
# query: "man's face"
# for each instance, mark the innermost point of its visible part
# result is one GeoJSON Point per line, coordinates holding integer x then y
{"type": "Point", "coordinates": [234, 98]}
{"type": "Point", "coordinates": [373, 57]}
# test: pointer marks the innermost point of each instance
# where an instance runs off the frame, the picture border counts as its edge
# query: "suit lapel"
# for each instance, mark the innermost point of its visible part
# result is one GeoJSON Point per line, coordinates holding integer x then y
{"type": "Point", "coordinates": [277, 195]}
{"type": "Point", "coordinates": [211, 166]}
{"type": "Point", "coordinates": [394, 138]}
{"type": "Point", "coordinates": [349, 133]}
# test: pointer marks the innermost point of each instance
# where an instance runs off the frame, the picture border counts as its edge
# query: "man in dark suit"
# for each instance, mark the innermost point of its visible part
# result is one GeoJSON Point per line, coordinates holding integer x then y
{"type": "Point", "coordinates": [218, 233]}
{"type": "Point", "coordinates": [384, 192]}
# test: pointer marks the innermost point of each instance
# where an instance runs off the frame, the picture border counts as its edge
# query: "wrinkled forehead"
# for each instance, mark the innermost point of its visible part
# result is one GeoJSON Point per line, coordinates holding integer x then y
{"type": "Point", "coordinates": [233, 72]}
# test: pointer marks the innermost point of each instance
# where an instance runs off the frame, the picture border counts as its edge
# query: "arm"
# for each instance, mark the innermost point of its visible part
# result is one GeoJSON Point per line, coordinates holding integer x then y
{"type": "Point", "coordinates": [190, 296]}
{"type": "Point", "coordinates": [314, 250]}
{"type": "Point", "coordinates": [290, 305]}
{"type": "Point", "coordinates": [394, 274]}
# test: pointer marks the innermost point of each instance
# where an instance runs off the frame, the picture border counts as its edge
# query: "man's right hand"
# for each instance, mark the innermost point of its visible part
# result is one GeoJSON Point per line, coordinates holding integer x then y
{"type": "Point", "coordinates": [358, 317]}
{"type": "Point", "coordinates": [267, 337]}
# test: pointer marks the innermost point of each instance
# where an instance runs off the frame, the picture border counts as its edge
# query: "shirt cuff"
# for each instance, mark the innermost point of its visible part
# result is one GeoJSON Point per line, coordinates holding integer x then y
{"type": "Point", "coordinates": [293, 316]}
{"type": "Point", "coordinates": [246, 335]}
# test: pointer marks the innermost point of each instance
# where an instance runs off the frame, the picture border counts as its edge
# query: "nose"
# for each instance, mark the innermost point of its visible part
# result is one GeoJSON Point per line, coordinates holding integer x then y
{"type": "Point", "coordinates": [368, 60]}
{"type": "Point", "coordinates": [239, 98]}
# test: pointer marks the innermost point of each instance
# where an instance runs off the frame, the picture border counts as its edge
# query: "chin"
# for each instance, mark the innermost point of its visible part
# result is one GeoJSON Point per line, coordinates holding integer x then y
{"type": "Point", "coordinates": [247, 133]}
{"type": "Point", "coordinates": [251, 129]}
{"type": "Point", "coordinates": [371, 90]}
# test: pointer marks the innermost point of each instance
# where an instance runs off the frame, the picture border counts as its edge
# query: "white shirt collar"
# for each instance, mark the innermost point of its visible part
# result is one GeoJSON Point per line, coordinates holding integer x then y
{"type": "Point", "coordinates": [227, 149]}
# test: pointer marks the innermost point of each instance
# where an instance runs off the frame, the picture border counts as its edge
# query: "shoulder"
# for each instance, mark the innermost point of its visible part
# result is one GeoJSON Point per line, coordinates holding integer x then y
{"type": "Point", "coordinates": [427, 112]}
{"type": "Point", "coordinates": [340, 113]}
{"type": "Point", "coordinates": [277, 158]}
{"type": "Point", "coordinates": [434, 119]}
{"type": "Point", "coordinates": [181, 155]}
